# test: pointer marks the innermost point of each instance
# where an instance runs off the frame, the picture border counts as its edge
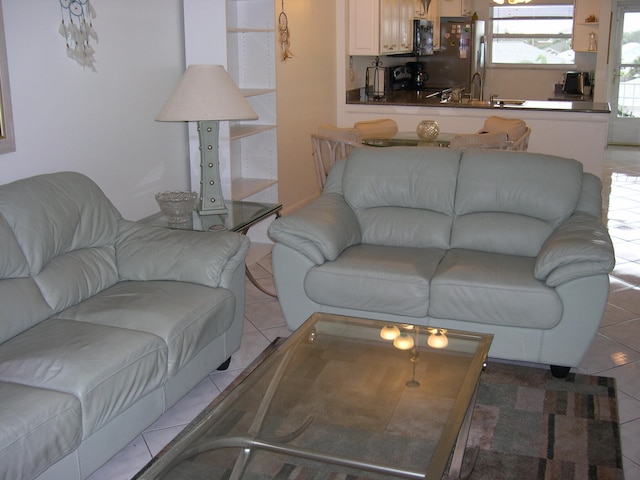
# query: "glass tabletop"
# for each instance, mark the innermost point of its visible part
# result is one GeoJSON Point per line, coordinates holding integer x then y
{"type": "Point", "coordinates": [336, 397]}
{"type": "Point", "coordinates": [240, 216]}
{"type": "Point", "coordinates": [410, 139]}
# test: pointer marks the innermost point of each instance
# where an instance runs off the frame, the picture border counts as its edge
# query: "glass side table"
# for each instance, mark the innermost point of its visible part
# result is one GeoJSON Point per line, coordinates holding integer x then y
{"type": "Point", "coordinates": [241, 216]}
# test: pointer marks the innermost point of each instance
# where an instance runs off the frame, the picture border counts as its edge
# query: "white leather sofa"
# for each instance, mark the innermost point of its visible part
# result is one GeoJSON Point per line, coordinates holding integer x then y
{"type": "Point", "coordinates": [104, 323]}
{"type": "Point", "coordinates": [502, 242]}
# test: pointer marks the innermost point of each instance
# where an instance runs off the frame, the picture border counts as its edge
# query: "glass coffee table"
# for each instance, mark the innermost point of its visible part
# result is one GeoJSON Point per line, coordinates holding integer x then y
{"type": "Point", "coordinates": [336, 398]}
{"type": "Point", "coordinates": [240, 217]}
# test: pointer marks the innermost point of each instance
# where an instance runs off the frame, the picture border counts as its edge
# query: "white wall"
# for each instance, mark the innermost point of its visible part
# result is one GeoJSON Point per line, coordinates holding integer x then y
{"type": "Point", "coordinates": [100, 124]}
{"type": "Point", "coordinates": [306, 96]}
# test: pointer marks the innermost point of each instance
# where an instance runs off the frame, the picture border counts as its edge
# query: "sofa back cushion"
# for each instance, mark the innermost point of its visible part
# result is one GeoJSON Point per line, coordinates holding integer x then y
{"type": "Point", "coordinates": [509, 202]}
{"type": "Point", "coordinates": [60, 231]}
{"type": "Point", "coordinates": [402, 196]}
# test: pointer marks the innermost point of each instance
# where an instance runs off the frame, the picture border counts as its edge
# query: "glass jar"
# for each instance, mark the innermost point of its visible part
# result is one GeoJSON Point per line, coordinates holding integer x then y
{"type": "Point", "coordinates": [593, 42]}
{"type": "Point", "coordinates": [428, 130]}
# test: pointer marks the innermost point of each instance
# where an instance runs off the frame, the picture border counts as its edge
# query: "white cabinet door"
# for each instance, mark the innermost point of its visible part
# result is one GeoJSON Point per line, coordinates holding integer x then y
{"type": "Point", "coordinates": [406, 9]}
{"type": "Point", "coordinates": [380, 27]}
{"type": "Point", "coordinates": [389, 20]}
{"type": "Point", "coordinates": [364, 27]}
{"type": "Point", "coordinates": [450, 8]}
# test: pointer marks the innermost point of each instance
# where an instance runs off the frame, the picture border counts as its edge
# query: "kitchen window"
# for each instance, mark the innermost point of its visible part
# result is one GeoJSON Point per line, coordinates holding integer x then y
{"type": "Point", "coordinates": [531, 34]}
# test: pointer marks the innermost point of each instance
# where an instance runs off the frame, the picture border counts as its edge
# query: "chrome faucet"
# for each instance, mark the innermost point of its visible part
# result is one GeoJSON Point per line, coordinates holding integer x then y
{"type": "Point", "coordinates": [473, 86]}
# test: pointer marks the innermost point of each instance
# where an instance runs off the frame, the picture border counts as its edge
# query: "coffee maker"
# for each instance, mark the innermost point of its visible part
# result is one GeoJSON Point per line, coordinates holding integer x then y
{"type": "Point", "coordinates": [419, 75]}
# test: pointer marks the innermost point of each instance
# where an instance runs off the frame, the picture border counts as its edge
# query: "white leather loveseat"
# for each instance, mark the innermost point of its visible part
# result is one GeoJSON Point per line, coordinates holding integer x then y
{"type": "Point", "coordinates": [104, 323]}
{"type": "Point", "coordinates": [509, 243]}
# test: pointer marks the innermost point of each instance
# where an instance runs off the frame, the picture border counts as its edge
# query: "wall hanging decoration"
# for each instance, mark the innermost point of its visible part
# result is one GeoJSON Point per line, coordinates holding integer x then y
{"type": "Point", "coordinates": [283, 28]}
{"type": "Point", "coordinates": [77, 29]}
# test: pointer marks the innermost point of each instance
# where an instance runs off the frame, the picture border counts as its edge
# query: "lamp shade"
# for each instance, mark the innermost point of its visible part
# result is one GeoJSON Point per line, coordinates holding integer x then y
{"type": "Point", "coordinates": [206, 92]}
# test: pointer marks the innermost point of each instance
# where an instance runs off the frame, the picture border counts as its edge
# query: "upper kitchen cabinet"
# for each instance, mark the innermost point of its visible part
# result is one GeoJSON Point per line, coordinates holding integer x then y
{"type": "Point", "coordinates": [381, 27]}
{"type": "Point", "coordinates": [454, 8]}
{"type": "Point", "coordinates": [586, 25]}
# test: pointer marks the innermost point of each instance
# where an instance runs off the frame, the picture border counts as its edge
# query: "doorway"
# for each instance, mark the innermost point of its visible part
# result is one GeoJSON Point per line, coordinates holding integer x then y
{"type": "Point", "coordinates": [624, 127]}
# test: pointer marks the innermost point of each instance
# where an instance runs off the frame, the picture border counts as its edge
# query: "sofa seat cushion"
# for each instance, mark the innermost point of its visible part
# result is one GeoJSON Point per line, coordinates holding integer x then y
{"type": "Point", "coordinates": [375, 278]}
{"type": "Point", "coordinates": [492, 289]}
{"type": "Point", "coordinates": [186, 316]}
{"type": "Point", "coordinates": [37, 428]}
{"type": "Point", "coordinates": [106, 368]}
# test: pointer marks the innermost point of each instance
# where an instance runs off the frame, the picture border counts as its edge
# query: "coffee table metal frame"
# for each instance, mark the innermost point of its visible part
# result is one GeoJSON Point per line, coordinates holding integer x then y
{"type": "Point", "coordinates": [455, 433]}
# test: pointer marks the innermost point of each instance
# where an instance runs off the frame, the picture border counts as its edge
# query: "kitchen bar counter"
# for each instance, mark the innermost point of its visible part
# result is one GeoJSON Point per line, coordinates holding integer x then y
{"type": "Point", "coordinates": [422, 99]}
{"type": "Point", "coordinates": [572, 129]}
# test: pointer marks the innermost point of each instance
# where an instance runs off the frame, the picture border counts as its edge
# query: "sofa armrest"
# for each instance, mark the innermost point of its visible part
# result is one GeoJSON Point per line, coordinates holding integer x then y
{"type": "Point", "coordinates": [145, 252]}
{"type": "Point", "coordinates": [580, 247]}
{"type": "Point", "coordinates": [320, 230]}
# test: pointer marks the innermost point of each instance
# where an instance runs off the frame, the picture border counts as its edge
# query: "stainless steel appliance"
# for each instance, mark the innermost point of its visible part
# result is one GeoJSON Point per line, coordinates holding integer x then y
{"type": "Point", "coordinates": [399, 78]}
{"type": "Point", "coordinates": [577, 83]}
{"type": "Point", "coordinates": [419, 76]}
{"type": "Point", "coordinates": [461, 53]}
{"type": "Point", "coordinates": [422, 37]}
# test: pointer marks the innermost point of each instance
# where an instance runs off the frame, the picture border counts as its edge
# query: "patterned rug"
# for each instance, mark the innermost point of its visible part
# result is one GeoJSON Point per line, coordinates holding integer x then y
{"type": "Point", "coordinates": [527, 425]}
{"type": "Point", "coordinates": [530, 425]}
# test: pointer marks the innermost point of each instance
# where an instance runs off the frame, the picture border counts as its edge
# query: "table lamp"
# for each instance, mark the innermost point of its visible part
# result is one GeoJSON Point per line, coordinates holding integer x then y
{"type": "Point", "coordinates": [206, 94]}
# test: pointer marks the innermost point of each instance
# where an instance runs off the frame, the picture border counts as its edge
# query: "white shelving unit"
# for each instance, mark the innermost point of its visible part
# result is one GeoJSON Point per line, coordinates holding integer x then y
{"type": "Point", "coordinates": [581, 28]}
{"type": "Point", "coordinates": [251, 62]}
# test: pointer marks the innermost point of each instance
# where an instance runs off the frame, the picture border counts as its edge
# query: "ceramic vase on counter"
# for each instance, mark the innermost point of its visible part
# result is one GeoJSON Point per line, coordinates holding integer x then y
{"type": "Point", "coordinates": [428, 130]}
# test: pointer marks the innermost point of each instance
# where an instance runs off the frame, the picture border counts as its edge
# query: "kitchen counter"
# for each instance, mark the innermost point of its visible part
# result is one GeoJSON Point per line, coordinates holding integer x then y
{"type": "Point", "coordinates": [422, 99]}
{"type": "Point", "coordinates": [572, 129]}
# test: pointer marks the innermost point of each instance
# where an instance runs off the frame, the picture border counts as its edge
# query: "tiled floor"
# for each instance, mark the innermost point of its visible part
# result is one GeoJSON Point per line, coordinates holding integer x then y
{"type": "Point", "coordinates": [615, 351]}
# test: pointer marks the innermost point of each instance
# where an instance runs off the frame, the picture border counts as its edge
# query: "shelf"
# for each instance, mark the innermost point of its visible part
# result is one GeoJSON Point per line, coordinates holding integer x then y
{"type": "Point", "coordinates": [245, 187]}
{"type": "Point", "coordinates": [253, 92]}
{"type": "Point", "coordinates": [245, 130]}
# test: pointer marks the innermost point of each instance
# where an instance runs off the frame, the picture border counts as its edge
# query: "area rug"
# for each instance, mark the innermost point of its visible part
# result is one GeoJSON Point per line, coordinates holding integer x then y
{"type": "Point", "coordinates": [527, 425]}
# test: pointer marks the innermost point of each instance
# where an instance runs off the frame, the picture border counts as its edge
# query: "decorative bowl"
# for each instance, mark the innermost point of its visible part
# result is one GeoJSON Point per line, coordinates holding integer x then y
{"type": "Point", "coordinates": [177, 206]}
{"type": "Point", "coordinates": [428, 130]}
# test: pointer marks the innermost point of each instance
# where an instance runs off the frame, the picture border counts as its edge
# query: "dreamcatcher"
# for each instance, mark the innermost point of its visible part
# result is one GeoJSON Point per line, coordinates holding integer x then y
{"type": "Point", "coordinates": [78, 30]}
{"type": "Point", "coordinates": [283, 28]}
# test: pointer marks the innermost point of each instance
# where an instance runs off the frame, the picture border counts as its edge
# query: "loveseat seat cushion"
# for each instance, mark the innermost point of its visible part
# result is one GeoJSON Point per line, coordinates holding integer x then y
{"type": "Point", "coordinates": [106, 368]}
{"type": "Point", "coordinates": [402, 196]}
{"type": "Point", "coordinates": [510, 202]}
{"type": "Point", "coordinates": [376, 278]}
{"type": "Point", "coordinates": [37, 428]}
{"type": "Point", "coordinates": [493, 289]}
{"type": "Point", "coordinates": [186, 316]}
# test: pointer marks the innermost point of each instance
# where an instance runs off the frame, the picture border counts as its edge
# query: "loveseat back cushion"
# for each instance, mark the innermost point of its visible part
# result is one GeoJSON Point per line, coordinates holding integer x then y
{"type": "Point", "coordinates": [510, 202]}
{"type": "Point", "coordinates": [402, 196]}
{"type": "Point", "coordinates": [66, 230]}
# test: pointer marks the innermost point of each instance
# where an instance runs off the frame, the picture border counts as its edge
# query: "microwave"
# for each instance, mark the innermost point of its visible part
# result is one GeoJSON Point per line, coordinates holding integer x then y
{"type": "Point", "coordinates": [422, 37]}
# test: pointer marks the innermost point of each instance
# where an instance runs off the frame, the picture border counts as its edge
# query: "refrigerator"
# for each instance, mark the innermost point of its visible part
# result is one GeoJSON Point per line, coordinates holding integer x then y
{"type": "Point", "coordinates": [461, 54]}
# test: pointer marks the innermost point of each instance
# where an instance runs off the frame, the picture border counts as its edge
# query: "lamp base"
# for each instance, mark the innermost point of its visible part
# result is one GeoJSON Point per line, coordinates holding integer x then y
{"type": "Point", "coordinates": [211, 201]}
{"type": "Point", "coordinates": [219, 210]}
